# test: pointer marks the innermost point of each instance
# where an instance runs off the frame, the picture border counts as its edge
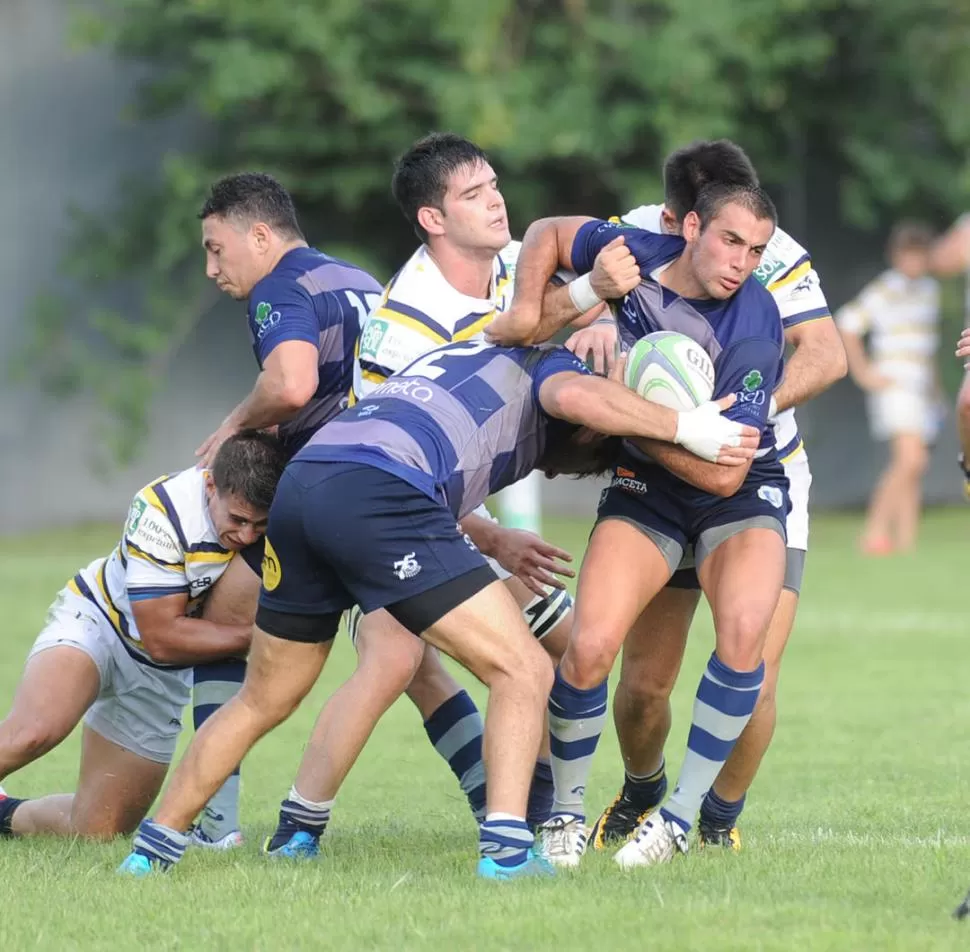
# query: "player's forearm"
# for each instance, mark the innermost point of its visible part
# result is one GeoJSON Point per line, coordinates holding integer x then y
{"type": "Point", "coordinates": [193, 640]}
{"type": "Point", "coordinates": [856, 357]}
{"type": "Point", "coordinates": [483, 532]}
{"type": "Point", "coordinates": [710, 477]}
{"type": "Point", "coordinates": [537, 263]}
{"type": "Point", "coordinates": [610, 408]}
{"type": "Point", "coordinates": [817, 363]}
{"type": "Point", "coordinates": [272, 400]}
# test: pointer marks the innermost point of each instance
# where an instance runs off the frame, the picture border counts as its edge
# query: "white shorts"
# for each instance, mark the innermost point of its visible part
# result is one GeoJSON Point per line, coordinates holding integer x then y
{"type": "Point", "coordinates": [799, 482]}
{"type": "Point", "coordinates": [138, 707]}
{"type": "Point", "coordinates": [897, 410]}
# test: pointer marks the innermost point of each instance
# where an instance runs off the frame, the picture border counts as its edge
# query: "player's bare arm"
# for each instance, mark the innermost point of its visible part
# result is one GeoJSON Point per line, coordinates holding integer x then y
{"type": "Point", "coordinates": [951, 254]}
{"type": "Point", "coordinates": [171, 637]}
{"type": "Point", "coordinates": [546, 247]}
{"type": "Point", "coordinates": [614, 410]}
{"type": "Point", "coordinates": [527, 556]}
{"type": "Point", "coordinates": [286, 383]}
{"type": "Point", "coordinates": [715, 478]}
{"type": "Point", "coordinates": [861, 369]}
{"type": "Point", "coordinates": [817, 362]}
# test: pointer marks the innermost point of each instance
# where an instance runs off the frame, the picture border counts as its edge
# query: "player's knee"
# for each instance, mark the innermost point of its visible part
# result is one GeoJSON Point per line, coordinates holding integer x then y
{"type": "Point", "coordinates": [588, 661]}
{"type": "Point", "coordinates": [29, 739]}
{"type": "Point", "coordinates": [740, 638]}
{"type": "Point", "coordinates": [913, 459]}
{"type": "Point", "coordinates": [269, 705]}
{"type": "Point", "coordinates": [526, 664]}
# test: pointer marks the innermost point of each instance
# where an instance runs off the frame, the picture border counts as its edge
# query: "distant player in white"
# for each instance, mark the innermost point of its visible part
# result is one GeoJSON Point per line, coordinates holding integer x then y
{"type": "Point", "coordinates": [652, 655]}
{"type": "Point", "coordinates": [898, 313]}
{"type": "Point", "coordinates": [450, 289]}
{"type": "Point", "coordinates": [121, 639]}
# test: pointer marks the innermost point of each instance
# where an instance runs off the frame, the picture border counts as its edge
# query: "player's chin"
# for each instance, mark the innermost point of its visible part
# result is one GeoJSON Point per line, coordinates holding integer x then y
{"type": "Point", "coordinates": [723, 288]}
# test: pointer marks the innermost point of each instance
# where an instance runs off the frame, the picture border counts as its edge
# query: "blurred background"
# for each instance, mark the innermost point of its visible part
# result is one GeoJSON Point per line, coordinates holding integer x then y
{"type": "Point", "coordinates": [118, 359]}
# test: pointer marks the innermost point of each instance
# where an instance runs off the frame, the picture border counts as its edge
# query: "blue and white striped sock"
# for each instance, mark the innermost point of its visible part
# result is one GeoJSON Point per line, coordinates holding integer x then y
{"type": "Point", "coordinates": [455, 730]}
{"type": "Point", "coordinates": [297, 814]}
{"type": "Point", "coordinates": [506, 839]}
{"type": "Point", "coordinates": [213, 685]}
{"type": "Point", "coordinates": [160, 845]}
{"type": "Point", "coordinates": [723, 706]}
{"type": "Point", "coordinates": [576, 720]}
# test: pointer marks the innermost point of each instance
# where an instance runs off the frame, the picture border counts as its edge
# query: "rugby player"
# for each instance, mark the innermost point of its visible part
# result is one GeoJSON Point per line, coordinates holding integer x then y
{"type": "Point", "coordinates": [121, 638]}
{"type": "Point", "coordinates": [367, 515]}
{"type": "Point", "coordinates": [701, 285]}
{"type": "Point", "coordinates": [654, 650]}
{"type": "Point", "coordinates": [460, 277]}
{"type": "Point", "coordinates": [304, 310]}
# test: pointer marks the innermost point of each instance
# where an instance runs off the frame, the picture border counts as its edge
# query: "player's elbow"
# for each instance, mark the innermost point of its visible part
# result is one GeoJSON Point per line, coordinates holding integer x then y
{"type": "Point", "coordinates": [157, 646]}
{"type": "Point", "coordinates": [566, 399]}
{"type": "Point", "coordinates": [838, 362]}
{"type": "Point", "coordinates": [295, 392]}
{"type": "Point", "coordinates": [727, 480]}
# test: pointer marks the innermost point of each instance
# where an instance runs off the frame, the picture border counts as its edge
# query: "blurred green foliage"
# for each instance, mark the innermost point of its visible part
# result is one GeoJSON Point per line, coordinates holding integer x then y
{"type": "Point", "coordinates": [577, 101]}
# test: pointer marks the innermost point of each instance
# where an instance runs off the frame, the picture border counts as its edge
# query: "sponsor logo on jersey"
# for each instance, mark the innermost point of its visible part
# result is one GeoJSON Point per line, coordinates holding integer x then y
{"type": "Point", "coordinates": [371, 337]}
{"type": "Point", "coordinates": [265, 318]}
{"type": "Point", "coordinates": [626, 480]}
{"type": "Point", "coordinates": [769, 267]}
{"type": "Point", "coordinates": [138, 508]}
{"type": "Point", "coordinates": [752, 380]}
{"type": "Point", "coordinates": [272, 573]}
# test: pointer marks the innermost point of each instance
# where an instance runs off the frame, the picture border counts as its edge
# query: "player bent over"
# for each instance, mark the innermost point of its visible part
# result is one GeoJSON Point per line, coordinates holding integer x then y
{"type": "Point", "coordinates": [120, 642]}
{"type": "Point", "coordinates": [700, 285]}
{"type": "Point", "coordinates": [366, 514]}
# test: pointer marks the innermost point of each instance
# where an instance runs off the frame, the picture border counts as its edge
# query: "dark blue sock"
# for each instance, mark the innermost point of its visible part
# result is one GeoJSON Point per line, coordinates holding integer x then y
{"type": "Point", "coordinates": [7, 806]}
{"type": "Point", "coordinates": [646, 792]}
{"type": "Point", "coordinates": [720, 814]}
{"type": "Point", "coordinates": [455, 729]}
{"type": "Point", "coordinates": [540, 795]}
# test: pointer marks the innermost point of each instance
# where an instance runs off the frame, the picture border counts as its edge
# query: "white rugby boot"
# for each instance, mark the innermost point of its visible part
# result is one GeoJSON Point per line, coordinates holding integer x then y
{"type": "Point", "coordinates": [656, 841]}
{"type": "Point", "coordinates": [562, 840]}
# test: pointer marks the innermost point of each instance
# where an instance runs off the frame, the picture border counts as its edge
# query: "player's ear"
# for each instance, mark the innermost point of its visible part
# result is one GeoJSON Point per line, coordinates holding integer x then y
{"type": "Point", "coordinates": [668, 222]}
{"type": "Point", "coordinates": [692, 226]}
{"type": "Point", "coordinates": [262, 236]}
{"type": "Point", "coordinates": [431, 219]}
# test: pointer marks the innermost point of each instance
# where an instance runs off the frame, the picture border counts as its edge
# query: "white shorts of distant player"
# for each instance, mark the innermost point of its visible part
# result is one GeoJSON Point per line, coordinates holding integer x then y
{"type": "Point", "coordinates": [138, 707]}
{"type": "Point", "coordinates": [897, 410]}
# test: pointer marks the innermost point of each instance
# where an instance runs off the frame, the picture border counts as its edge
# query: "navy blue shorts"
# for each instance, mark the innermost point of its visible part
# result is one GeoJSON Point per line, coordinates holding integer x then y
{"type": "Point", "coordinates": [676, 526]}
{"type": "Point", "coordinates": [345, 534]}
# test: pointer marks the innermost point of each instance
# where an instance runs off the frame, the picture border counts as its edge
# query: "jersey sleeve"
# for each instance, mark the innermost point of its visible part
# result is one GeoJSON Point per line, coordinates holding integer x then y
{"type": "Point", "coordinates": [799, 296]}
{"type": "Point", "coordinates": [280, 310]}
{"type": "Point", "coordinates": [751, 370]}
{"type": "Point", "coordinates": [394, 336]}
{"type": "Point", "coordinates": [650, 250]}
{"type": "Point", "coordinates": [857, 316]}
{"type": "Point", "coordinates": [154, 557]}
{"type": "Point", "coordinates": [557, 361]}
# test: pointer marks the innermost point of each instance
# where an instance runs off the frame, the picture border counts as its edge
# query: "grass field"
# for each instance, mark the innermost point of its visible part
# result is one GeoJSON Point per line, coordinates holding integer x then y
{"type": "Point", "coordinates": [856, 836]}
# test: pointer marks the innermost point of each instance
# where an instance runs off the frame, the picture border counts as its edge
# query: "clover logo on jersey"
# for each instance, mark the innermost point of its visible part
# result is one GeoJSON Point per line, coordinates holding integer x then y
{"type": "Point", "coordinates": [752, 380]}
{"type": "Point", "coordinates": [272, 573]}
{"type": "Point", "coordinates": [265, 318]}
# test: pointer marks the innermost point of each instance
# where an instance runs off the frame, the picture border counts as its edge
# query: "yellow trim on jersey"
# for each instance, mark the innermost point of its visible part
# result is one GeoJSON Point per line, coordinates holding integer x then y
{"type": "Point", "coordinates": [72, 585]}
{"type": "Point", "coordinates": [208, 556]}
{"type": "Point", "coordinates": [469, 332]}
{"type": "Point", "coordinates": [113, 614]}
{"type": "Point", "coordinates": [406, 320]}
{"type": "Point", "coordinates": [798, 449]}
{"type": "Point", "coordinates": [371, 376]}
{"type": "Point", "coordinates": [149, 493]}
{"type": "Point", "coordinates": [146, 557]}
{"type": "Point", "coordinates": [799, 272]}
{"type": "Point", "coordinates": [501, 285]}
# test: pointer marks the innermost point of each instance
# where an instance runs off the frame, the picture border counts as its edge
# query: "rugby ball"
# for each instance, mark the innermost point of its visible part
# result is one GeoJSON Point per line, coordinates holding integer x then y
{"type": "Point", "coordinates": [670, 369]}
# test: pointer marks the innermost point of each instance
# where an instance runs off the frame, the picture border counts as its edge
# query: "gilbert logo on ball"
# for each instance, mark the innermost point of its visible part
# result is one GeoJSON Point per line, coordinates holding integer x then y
{"type": "Point", "coordinates": [670, 369]}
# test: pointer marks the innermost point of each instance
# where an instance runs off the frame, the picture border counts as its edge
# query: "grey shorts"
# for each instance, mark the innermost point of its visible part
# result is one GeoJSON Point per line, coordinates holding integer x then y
{"type": "Point", "coordinates": [138, 707]}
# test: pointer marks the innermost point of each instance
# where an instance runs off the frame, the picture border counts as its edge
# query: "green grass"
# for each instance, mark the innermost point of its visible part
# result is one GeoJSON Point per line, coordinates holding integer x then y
{"type": "Point", "coordinates": [855, 837]}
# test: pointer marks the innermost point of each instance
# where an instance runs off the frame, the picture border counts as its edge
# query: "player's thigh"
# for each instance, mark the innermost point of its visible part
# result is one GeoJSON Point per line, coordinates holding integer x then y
{"type": "Point", "coordinates": [654, 648]}
{"type": "Point", "coordinates": [485, 632]}
{"type": "Point", "coordinates": [66, 668]}
{"type": "Point", "coordinates": [116, 787]}
{"type": "Point", "coordinates": [390, 655]}
{"type": "Point", "coordinates": [233, 599]}
{"type": "Point", "coordinates": [779, 631]}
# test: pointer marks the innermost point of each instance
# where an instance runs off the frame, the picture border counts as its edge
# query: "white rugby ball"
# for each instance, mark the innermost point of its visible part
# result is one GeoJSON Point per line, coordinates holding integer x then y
{"type": "Point", "coordinates": [670, 369]}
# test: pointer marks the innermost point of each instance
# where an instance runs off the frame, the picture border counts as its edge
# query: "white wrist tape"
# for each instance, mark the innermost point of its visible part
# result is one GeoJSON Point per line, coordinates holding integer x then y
{"type": "Point", "coordinates": [581, 293]}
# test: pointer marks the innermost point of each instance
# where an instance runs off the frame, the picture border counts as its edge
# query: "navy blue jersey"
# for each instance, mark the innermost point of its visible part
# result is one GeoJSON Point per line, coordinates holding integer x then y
{"type": "Point", "coordinates": [743, 335]}
{"type": "Point", "coordinates": [459, 424]}
{"type": "Point", "coordinates": [312, 297]}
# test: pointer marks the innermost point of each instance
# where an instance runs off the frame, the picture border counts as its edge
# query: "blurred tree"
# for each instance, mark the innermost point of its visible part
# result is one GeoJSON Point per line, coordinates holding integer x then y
{"type": "Point", "coordinates": [576, 100]}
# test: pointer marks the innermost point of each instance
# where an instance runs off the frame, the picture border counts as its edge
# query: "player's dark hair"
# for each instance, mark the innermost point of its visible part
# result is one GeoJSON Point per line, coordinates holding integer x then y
{"type": "Point", "coordinates": [910, 236]}
{"type": "Point", "coordinates": [249, 464]}
{"type": "Point", "coordinates": [569, 451]}
{"type": "Point", "coordinates": [713, 198]}
{"type": "Point", "coordinates": [251, 197]}
{"type": "Point", "coordinates": [421, 175]}
{"type": "Point", "coordinates": [709, 162]}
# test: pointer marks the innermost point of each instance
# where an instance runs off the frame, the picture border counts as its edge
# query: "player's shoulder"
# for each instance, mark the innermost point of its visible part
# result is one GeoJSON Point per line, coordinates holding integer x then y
{"type": "Point", "coordinates": [314, 272]}
{"type": "Point", "coordinates": [757, 305]}
{"type": "Point", "coordinates": [782, 257]}
{"type": "Point", "coordinates": [178, 501]}
{"type": "Point", "coordinates": [647, 217]}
